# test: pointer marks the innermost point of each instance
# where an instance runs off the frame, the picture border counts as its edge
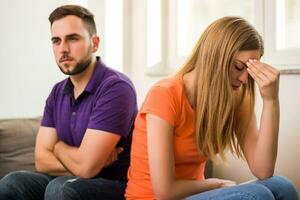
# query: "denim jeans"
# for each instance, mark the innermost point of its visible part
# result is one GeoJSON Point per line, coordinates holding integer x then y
{"type": "Point", "coordinates": [26, 185]}
{"type": "Point", "coordinates": [274, 188]}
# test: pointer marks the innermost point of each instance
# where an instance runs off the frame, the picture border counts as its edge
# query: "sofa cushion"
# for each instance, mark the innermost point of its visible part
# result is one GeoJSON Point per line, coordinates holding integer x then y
{"type": "Point", "coordinates": [17, 140]}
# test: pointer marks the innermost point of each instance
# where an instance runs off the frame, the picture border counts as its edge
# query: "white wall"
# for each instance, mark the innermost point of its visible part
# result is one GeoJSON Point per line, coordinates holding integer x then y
{"type": "Point", "coordinates": [27, 67]}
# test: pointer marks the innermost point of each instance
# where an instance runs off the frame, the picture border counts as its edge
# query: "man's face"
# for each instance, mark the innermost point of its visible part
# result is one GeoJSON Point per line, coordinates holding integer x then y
{"type": "Point", "coordinates": [72, 45]}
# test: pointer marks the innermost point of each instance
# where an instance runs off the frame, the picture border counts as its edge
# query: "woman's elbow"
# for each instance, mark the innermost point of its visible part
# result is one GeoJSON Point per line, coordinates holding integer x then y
{"type": "Point", "coordinates": [163, 194]}
{"type": "Point", "coordinates": [263, 174]}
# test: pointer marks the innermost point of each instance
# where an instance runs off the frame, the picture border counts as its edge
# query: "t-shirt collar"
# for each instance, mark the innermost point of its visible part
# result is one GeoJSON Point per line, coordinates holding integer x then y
{"type": "Point", "coordinates": [93, 83]}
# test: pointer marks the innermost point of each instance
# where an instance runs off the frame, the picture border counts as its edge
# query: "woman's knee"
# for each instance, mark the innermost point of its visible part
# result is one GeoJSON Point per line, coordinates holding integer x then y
{"type": "Point", "coordinates": [256, 192]}
{"type": "Point", "coordinates": [282, 181]}
{"type": "Point", "coordinates": [248, 191]}
{"type": "Point", "coordinates": [281, 187]}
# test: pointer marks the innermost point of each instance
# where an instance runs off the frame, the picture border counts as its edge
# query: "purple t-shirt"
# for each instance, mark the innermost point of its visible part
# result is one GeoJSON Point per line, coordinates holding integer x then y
{"type": "Point", "coordinates": [108, 103]}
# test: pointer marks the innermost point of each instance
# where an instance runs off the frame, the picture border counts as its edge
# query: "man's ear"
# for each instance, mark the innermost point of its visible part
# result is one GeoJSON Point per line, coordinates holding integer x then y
{"type": "Point", "coordinates": [95, 43]}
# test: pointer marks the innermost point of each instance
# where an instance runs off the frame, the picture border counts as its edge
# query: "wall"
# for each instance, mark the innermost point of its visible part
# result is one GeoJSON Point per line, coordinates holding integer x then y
{"type": "Point", "coordinates": [27, 67]}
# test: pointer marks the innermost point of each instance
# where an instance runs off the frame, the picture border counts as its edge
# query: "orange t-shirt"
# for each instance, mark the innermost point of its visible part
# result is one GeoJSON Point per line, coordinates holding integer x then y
{"type": "Point", "coordinates": [167, 100]}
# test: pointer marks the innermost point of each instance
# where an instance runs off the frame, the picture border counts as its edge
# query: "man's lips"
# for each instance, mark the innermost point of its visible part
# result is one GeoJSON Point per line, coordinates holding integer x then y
{"type": "Point", "coordinates": [64, 59]}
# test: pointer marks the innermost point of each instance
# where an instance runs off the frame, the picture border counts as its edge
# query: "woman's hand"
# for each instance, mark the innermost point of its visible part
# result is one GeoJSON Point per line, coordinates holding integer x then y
{"type": "Point", "coordinates": [267, 78]}
{"type": "Point", "coordinates": [219, 183]}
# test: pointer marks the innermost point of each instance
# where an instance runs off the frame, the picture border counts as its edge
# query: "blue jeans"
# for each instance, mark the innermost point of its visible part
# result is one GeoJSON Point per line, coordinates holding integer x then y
{"type": "Point", "coordinates": [26, 185]}
{"type": "Point", "coordinates": [274, 188]}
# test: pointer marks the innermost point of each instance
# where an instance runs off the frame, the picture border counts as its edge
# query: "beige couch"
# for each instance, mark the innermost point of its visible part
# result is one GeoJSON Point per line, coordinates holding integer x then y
{"type": "Point", "coordinates": [17, 140]}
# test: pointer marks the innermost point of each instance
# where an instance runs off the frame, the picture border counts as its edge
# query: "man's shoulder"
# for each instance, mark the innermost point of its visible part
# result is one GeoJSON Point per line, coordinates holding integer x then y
{"type": "Point", "coordinates": [115, 78]}
{"type": "Point", "coordinates": [59, 86]}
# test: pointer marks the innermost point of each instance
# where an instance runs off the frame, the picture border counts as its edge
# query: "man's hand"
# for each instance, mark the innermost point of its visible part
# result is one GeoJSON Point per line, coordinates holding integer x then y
{"type": "Point", "coordinates": [113, 156]}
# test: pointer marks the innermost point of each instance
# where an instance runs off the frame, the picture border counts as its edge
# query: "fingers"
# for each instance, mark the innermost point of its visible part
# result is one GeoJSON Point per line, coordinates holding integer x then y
{"type": "Point", "coordinates": [228, 183]}
{"type": "Point", "coordinates": [254, 75]}
{"type": "Point", "coordinates": [114, 156]}
{"type": "Point", "coordinates": [262, 73]}
{"type": "Point", "coordinates": [220, 182]}
{"type": "Point", "coordinates": [120, 150]}
{"type": "Point", "coordinates": [259, 73]}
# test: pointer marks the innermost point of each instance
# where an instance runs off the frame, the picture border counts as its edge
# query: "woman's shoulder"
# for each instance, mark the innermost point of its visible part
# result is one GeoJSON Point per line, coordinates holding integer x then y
{"type": "Point", "coordinates": [173, 83]}
{"type": "Point", "coordinates": [166, 91]}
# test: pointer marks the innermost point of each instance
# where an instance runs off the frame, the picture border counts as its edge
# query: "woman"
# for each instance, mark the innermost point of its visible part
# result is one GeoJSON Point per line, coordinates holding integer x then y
{"type": "Point", "coordinates": [206, 108]}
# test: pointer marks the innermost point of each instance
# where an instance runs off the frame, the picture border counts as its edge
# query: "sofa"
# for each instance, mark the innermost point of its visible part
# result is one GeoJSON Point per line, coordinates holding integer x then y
{"type": "Point", "coordinates": [17, 140]}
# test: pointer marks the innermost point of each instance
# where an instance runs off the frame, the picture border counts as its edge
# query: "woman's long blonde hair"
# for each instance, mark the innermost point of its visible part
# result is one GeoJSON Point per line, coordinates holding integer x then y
{"type": "Point", "coordinates": [216, 106]}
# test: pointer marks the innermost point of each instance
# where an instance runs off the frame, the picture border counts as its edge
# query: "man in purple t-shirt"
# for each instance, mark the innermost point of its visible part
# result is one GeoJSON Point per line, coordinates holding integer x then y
{"type": "Point", "coordinates": [83, 145]}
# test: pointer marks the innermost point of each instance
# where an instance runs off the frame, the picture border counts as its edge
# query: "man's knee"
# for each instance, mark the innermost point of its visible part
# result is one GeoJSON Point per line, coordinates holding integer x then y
{"type": "Point", "coordinates": [14, 183]}
{"type": "Point", "coordinates": [76, 188]}
{"type": "Point", "coordinates": [61, 188]}
{"type": "Point", "coordinates": [15, 179]}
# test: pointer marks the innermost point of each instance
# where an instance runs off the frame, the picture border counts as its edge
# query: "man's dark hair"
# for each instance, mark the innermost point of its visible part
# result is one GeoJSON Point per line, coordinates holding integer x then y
{"type": "Point", "coordinates": [76, 10]}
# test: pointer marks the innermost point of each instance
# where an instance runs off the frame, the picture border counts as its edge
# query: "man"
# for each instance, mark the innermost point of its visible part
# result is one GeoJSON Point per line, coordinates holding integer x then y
{"type": "Point", "coordinates": [83, 145]}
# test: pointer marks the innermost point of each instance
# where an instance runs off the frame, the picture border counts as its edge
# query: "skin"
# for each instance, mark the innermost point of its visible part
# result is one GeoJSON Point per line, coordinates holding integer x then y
{"type": "Point", "coordinates": [73, 49]}
{"type": "Point", "coordinates": [259, 147]}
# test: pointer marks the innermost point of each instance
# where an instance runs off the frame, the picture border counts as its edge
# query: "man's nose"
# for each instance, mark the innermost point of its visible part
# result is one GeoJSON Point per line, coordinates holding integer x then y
{"type": "Point", "coordinates": [243, 77]}
{"type": "Point", "coordinates": [64, 47]}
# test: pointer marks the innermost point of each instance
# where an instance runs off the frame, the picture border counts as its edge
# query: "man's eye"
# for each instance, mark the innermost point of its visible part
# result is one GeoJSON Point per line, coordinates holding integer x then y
{"type": "Point", "coordinates": [73, 39]}
{"type": "Point", "coordinates": [55, 41]}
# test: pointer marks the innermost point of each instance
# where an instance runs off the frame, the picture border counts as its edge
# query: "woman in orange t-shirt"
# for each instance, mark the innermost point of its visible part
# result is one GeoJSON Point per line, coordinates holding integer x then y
{"type": "Point", "coordinates": [203, 110]}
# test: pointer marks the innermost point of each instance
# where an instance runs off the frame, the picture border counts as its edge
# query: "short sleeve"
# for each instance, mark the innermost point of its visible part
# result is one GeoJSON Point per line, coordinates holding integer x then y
{"type": "Point", "coordinates": [162, 103]}
{"type": "Point", "coordinates": [48, 116]}
{"type": "Point", "coordinates": [115, 109]}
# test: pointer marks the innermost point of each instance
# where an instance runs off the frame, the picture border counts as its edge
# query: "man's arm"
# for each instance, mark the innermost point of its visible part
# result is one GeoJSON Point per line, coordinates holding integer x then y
{"type": "Point", "coordinates": [45, 160]}
{"type": "Point", "coordinates": [89, 159]}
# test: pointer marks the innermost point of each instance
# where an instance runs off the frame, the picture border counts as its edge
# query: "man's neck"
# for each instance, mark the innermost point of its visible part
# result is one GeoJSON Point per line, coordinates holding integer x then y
{"type": "Point", "coordinates": [81, 80]}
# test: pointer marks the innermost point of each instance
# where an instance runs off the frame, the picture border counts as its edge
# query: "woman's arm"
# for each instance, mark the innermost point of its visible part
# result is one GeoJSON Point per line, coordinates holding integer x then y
{"type": "Point", "coordinates": [162, 166]}
{"type": "Point", "coordinates": [260, 145]}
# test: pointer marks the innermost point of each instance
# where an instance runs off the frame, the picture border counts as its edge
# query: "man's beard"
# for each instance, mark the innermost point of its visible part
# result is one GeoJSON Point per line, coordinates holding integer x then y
{"type": "Point", "coordinates": [81, 66]}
